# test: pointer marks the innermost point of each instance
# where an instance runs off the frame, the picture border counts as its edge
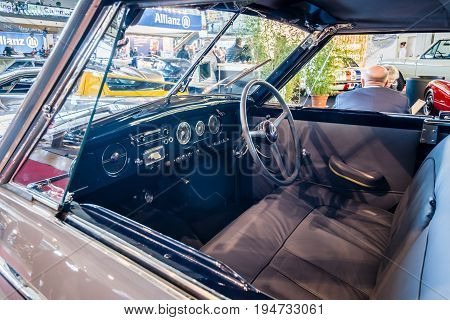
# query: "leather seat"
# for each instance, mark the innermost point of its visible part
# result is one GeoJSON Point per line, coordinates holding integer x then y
{"type": "Point", "coordinates": [308, 242]}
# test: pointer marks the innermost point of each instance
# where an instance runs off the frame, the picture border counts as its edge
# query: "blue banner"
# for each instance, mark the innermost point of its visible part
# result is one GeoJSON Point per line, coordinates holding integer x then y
{"type": "Point", "coordinates": [21, 42]}
{"type": "Point", "coordinates": [171, 20]}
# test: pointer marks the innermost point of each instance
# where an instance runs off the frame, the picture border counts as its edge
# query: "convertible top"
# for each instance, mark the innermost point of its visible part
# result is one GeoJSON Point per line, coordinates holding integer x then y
{"type": "Point", "coordinates": [366, 16]}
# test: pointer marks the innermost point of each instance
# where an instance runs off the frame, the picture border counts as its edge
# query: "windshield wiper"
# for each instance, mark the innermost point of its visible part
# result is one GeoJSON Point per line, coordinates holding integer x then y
{"type": "Point", "coordinates": [228, 81]}
{"type": "Point", "coordinates": [187, 77]}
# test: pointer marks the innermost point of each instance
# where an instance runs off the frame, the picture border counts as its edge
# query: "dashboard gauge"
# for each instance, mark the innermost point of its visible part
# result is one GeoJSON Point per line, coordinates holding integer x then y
{"type": "Point", "coordinates": [214, 124]}
{"type": "Point", "coordinates": [184, 133]}
{"type": "Point", "coordinates": [114, 159]}
{"type": "Point", "coordinates": [200, 128]}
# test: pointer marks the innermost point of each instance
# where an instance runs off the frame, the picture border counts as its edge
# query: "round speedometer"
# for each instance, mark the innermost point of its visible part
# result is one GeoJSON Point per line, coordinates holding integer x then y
{"type": "Point", "coordinates": [200, 128]}
{"type": "Point", "coordinates": [184, 133]}
{"type": "Point", "coordinates": [214, 124]}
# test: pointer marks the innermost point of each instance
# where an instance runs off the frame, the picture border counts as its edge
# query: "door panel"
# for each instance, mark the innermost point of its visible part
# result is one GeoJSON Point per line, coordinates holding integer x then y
{"type": "Point", "coordinates": [387, 144]}
{"type": "Point", "coordinates": [391, 152]}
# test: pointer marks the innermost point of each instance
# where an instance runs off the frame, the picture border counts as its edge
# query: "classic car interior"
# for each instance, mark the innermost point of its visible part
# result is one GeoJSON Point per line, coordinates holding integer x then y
{"type": "Point", "coordinates": [359, 221]}
{"type": "Point", "coordinates": [301, 203]}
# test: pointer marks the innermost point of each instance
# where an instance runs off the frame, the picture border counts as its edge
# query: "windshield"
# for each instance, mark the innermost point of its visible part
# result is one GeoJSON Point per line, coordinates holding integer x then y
{"type": "Point", "coordinates": [164, 45]}
{"type": "Point", "coordinates": [155, 53]}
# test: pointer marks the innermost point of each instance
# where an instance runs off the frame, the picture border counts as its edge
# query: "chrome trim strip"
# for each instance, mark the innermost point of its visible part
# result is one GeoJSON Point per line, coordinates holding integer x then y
{"type": "Point", "coordinates": [22, 286]}
{"type": "Point", "coordinates": [35, 195]}
{"type": "Point", "coordinates": [150, 263]}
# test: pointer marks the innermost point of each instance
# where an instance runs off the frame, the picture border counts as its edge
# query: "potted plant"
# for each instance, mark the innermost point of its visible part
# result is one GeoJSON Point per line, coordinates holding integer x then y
{"type": "Point", "coordinates": [319, 76]}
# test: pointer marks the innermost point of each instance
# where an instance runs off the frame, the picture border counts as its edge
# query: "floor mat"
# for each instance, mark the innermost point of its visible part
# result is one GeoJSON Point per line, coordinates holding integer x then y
{"type": "Point", "coordinates": [215, 221]}
{"type": "Point", "coordinates": [168, 224]}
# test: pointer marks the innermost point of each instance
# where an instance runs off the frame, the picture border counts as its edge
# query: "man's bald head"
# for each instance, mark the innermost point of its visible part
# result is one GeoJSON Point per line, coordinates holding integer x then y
{"type": "Point", "coordinates": [376, 76]}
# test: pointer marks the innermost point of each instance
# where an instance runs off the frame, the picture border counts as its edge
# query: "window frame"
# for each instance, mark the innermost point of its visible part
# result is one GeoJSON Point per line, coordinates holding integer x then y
{"type": "Point", "coordinates": [433, 47]}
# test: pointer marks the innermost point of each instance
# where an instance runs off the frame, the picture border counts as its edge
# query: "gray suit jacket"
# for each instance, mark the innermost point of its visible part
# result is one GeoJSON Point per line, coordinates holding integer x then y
{"type": "Point", "coordinates": [373, 99]}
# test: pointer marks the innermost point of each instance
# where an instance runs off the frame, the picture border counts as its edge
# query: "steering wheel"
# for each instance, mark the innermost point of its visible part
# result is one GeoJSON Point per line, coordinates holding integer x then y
{"type": "Point", "coordinates": [267, 131]}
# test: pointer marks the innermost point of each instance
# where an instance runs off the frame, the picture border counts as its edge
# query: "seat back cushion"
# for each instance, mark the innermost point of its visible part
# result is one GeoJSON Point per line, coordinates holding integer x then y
{"type": "Point", "coordinates": [416, 264]}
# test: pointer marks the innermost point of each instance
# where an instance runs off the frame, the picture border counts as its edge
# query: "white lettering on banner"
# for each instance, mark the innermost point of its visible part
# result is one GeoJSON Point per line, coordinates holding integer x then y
{"type": "Point", "coordinates": [186, 22]}
{"type": "Point", "coordinates": [163, 18]}
{"type": "Point", "coordinates": [32, 42]}
{"type": "Point", "coordinates": [11, 41]}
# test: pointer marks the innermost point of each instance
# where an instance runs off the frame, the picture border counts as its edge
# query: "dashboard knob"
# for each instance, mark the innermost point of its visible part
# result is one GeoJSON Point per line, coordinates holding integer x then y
{"type": "Point", "coordinates": [115, 156]}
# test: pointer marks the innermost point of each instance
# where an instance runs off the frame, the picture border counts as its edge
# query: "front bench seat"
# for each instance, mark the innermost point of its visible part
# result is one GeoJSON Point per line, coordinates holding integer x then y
{"type": "Point", "coordinates": [307, 242]}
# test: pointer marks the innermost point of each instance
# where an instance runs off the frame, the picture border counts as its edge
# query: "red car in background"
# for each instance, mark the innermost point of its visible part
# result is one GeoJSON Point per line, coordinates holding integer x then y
{"type": "Point", "coordinates": [437, 97]}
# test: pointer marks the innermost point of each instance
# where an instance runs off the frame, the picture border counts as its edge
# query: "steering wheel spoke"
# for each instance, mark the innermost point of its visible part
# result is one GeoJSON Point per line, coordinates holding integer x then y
{"type": "Point", "coordinates": [279, 160]}
{"type": "Point", "coordinates": [257, 134]}
{"type": "Point", "coordinates": [280, 118]}
{"type": "Point", "coordinates": [267, 131]}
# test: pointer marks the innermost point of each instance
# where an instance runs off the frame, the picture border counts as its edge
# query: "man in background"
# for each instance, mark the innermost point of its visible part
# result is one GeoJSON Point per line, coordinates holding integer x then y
{"type": "Point", "coordinates": [134, 54]}
{"type": "Point", "coordinates": [183, 53]}
{"type": "Point", "coordinates": [9, 51]}
{"type": "Point", "coordinates": [235, 52]}
{"type": "Point", "coordinates": [373, 96]}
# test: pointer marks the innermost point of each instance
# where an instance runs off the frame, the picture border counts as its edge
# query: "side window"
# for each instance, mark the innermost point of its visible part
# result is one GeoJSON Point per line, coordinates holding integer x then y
{"type": "Point", "coordinates": [47, 170]}
{"type": "Point", "coordinates": [430, 53]}
{"type": "Point", "coordinates": [443, 50]}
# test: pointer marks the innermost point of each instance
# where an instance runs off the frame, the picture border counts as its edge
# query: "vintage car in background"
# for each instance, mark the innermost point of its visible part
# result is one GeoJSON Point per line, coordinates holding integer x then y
{"type": "Point", "coordinates": [14, 63]}
{"type": "Point", "coordinates": [437, 97]}
{"type": "Point", "coordinates": [434, 62]}
{"type": "Point", "coordinates": [14, 85]}
{"type": "Point", "coordinates": [127, 82]}
{"type": "Point", "coordinates": [117, 85]}
{"type": "Point", "coordinates": [171, 68]}
{"type": "Point", "coordinates": [349, 76]}
{"type": "Point", "coordinates": [218, 195]}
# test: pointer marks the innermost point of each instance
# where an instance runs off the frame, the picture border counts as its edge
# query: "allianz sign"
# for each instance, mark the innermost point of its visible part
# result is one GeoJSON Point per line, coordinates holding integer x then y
{"type": "Point", "coordinates": [22, 42]}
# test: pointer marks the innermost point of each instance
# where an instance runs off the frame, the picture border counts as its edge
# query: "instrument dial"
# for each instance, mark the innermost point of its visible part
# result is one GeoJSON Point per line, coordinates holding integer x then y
{"type": "Point", "coordinates": [214, 124]}
{"type": "Point", "coordinates": [184, 133]}
{"type": "Point", "coordinates": [200, 128]}
{"type": "Point", "coordinates": [114, 159]}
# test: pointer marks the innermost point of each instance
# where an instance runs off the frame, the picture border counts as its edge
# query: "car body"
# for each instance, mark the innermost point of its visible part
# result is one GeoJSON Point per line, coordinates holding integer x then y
{"type": "Point", "coordinates": [15, 84]}
{"type": "Point", "coordinates": [171, 68]}
{"type": "Point", "coordinates": [121, 85]}
{"type": "Point", "coordinates": [129, 205]}
{"type": "Point", "coordinates": [435, 61]}
{"type": "Point", "coordinates": [437, 97]}
{"type": "Point", "coordinates": [349, 76]}
{"type": "Point", "coordinates": [14, 63]}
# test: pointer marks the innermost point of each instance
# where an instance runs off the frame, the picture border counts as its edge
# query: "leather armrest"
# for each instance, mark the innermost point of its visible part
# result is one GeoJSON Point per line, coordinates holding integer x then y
{"type": "Point", "coordinates": [367, 179]}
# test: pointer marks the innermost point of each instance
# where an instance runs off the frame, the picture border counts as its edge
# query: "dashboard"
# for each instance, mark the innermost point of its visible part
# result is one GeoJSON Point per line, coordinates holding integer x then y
{"type": "Point", "coordinates": [154, 145]}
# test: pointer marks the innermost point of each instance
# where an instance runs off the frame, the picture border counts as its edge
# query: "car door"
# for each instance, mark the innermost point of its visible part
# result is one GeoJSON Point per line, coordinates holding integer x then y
{"type": "Point", "coordinates": [373, 143]}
